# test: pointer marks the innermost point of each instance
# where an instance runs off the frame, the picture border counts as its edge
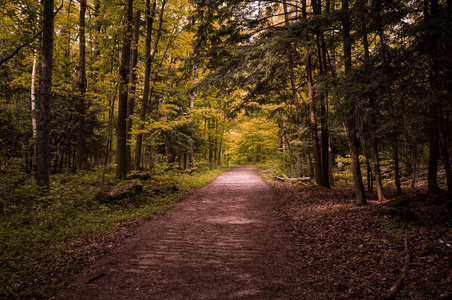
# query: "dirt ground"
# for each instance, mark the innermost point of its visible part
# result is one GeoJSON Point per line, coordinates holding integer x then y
{"type": "Point", "coordinates": [226, 241]}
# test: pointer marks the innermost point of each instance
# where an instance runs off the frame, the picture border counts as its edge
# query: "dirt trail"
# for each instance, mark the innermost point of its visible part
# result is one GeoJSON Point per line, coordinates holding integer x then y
{"type": "Point", "coordinates": [223, 242]}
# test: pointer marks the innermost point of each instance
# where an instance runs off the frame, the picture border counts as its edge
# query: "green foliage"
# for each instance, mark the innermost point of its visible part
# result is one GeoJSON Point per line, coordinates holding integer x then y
{"type": "Point", "coordinates": [347, 161]}
{"type": "Point", "coordinates": [253, 141]}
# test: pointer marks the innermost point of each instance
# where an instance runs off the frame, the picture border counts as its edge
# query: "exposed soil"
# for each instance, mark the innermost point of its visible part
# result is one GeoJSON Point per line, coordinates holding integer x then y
{"type": "Point", "coordinates": [225, 241]}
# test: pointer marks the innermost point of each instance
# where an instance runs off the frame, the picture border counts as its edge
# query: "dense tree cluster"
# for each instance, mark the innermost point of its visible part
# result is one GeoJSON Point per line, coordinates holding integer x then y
{"type": "Point", "coordinates": [139, 83]}
{"type": "Point", "coordinates": [374, 72]}
{"type": "Point", "coordinates": [93, 82]}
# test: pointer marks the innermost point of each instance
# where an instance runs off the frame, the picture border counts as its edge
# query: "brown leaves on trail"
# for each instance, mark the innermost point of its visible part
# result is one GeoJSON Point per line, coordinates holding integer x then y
{"type": "Point", "coordinates": [352, 252]}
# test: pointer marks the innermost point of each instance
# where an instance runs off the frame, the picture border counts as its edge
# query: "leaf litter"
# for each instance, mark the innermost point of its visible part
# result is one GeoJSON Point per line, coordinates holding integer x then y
{"type": "Point", "coordinates": [357, 252]}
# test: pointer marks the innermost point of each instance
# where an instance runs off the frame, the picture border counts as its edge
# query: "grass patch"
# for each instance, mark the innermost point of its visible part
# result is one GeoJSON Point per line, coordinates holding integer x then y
{"type": "Point", "coordinates": [45, 235]}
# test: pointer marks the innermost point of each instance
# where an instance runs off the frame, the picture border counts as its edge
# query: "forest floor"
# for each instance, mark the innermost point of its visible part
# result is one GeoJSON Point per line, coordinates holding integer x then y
{"type": "Point", "coordinates": [240, 238]}
{"type": "Point", "coordinates": [360, 252]}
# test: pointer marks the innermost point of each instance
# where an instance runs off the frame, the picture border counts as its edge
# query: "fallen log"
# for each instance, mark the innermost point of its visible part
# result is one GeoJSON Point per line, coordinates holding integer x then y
{"type": "Point", "coordinates": [396, 286]}
{"type": "Point", "coordinates": [285, 178]}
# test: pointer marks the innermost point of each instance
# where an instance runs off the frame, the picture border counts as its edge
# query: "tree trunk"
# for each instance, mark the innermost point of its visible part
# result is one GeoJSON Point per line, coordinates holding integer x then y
{"type": "Point", "coordinates": [34, 125]}
{"type": "Point", "coordinates": [96, 52]}
{"type": "Point", "coordinates": [324, 152]}
{"type": "Point", "coordinates": [147, 73]}
{"type": "Point", "coordinates": [376, 159]}
{"type": "Point", "coordinates": [432, 177]}
{"type": "Point", "coordinates": [445, 154]}
{"type": "Point", "coordinates": [414, 169]}
{"type": "Point", "coordinates": [312, 116]}
{"type": "Point", "coordinates": [81, 151]}
{"type": "Point", "coordinates": [190, 155]}
{"type": "Point", "coordinates": [356, 170]}
{"type": "Point", "coordinates": [132, 88]}
{"type": "Point", "coordinates": [366, 154]}
{"type": "Point", "coordinates": [291, 67]}
{"type": "Point", "coordinates": [121, 132]}
{"type": "Point", "coordinates": [396, 164]}
{"type": "Point", "coordinates": [374, 112]}
{"type": "Point", "coordinates": [349, 123]}
{"type": "Point", "coordinates": [45, 94]}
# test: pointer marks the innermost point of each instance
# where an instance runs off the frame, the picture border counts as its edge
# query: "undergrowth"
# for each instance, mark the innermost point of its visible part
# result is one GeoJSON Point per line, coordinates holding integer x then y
{"type": "Point", "coordinates": [44, 234]}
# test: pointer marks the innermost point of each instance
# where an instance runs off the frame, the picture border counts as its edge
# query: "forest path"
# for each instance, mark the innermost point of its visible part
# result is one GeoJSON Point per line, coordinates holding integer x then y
{"type": "Point", "coordinates": [225, 241]}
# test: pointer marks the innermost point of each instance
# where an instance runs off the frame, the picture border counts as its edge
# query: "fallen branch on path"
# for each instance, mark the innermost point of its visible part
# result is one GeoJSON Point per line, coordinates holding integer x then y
{"type": "Point", "coordinates": [396, 286]}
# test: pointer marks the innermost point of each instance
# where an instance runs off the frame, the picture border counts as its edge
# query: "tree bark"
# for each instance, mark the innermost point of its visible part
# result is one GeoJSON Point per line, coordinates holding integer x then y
{"type": "Point", "coordinates": [150, 14]}
{"type": "Point", "coordinates": [312, 118]}
{"type": "Point", "coordinates": [34, 124]}
{"type": "Point", "coordinates": [373, 108]}
{"type": "Point", "coordinates": [349, 123]}
{"type": "Point", "coordinates": [121, 132]}
{"type": "Point", "coordinates": [81, 151]}
{"type": "Point", "coordinates": [366, 154]}
{"type": "Point", "coordinates": [376, 159]}
{"type": "Point", "coordinates": [324, 152]}
{"type": "Point", "coordinates": [132, 88]}
{"type": "Point", "coordinates": [358, 185]}
{"type": "Point", "coordinates": [45, 95]}
{"type": "Point", "coordinates": [445, 155]}
{"type": "Point", "coordinates": [149, 59]}
{"type": "Point", "coordinates": [414, 169]}
{"type": "Point", "coordinates": [96, 52]}
{"type": "Point", "coordinates": [190, 155]}
{"type": "Point", "coordinates": [396, 164]}
{"type": "Point", "coordinates": [432, 176]}
{"type": "Point", "coordinates": [312, 115]}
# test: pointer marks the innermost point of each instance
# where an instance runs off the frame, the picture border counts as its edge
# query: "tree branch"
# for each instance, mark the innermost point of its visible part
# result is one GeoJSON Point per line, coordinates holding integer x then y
{"type": "Point", "coordinates": [14, 53]}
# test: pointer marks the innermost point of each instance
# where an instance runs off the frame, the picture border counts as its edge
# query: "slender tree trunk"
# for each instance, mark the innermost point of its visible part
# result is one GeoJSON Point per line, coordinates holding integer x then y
{"type": "Point", "coordinates": [132, 88]}
{"type": "Point", "coordinates": [366, 155]}
{"type": "Point", "coordinates": [220, 144]}
{"type": "Point", "coordinates": [121, 132]}
{"type": "Point", "coordinates": [349, 123]}
{"type": "Point", "coordinates": [432, 176]}
{"type": "Point", "coordinates": [45, 95]}
{"type": "Point", "coordinates": [312, 115]}
{"type": "Point", "coordinates": [312, 118]}
{"type": "Point", "coordinates": [295, 159]}
{"type": "Point", "coordinates": [189, 156]}
{"type": "Point", "coordinates": [34, 125]}
{"type": "Point", "coordinates": [445, 153]}
{"type": "Point", "coordinates": [96, 52]}
{"type": "Point", "coordinates": [324, 151]}
{"type": "Point", "coordinates": [414, 169]}
{"type": "Point", "coordinates": [291, 67]}
{"type": "Point", "coordinates": [210, 127]}
{"type": "Point", "coordinates": [376, 159]}
{"type": "Point", "coordinates": [374, 111]}
{"type": "Point", "coordinates": [81, 151]}
{"type": "Point", "coordinates": [431, 11]}
{"type": "Point", "coordinates": [150, 14]}
{"type": "Point", "coordinates": [111, 111]}
{"type": "Point", "coordinates": [396, 164]}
